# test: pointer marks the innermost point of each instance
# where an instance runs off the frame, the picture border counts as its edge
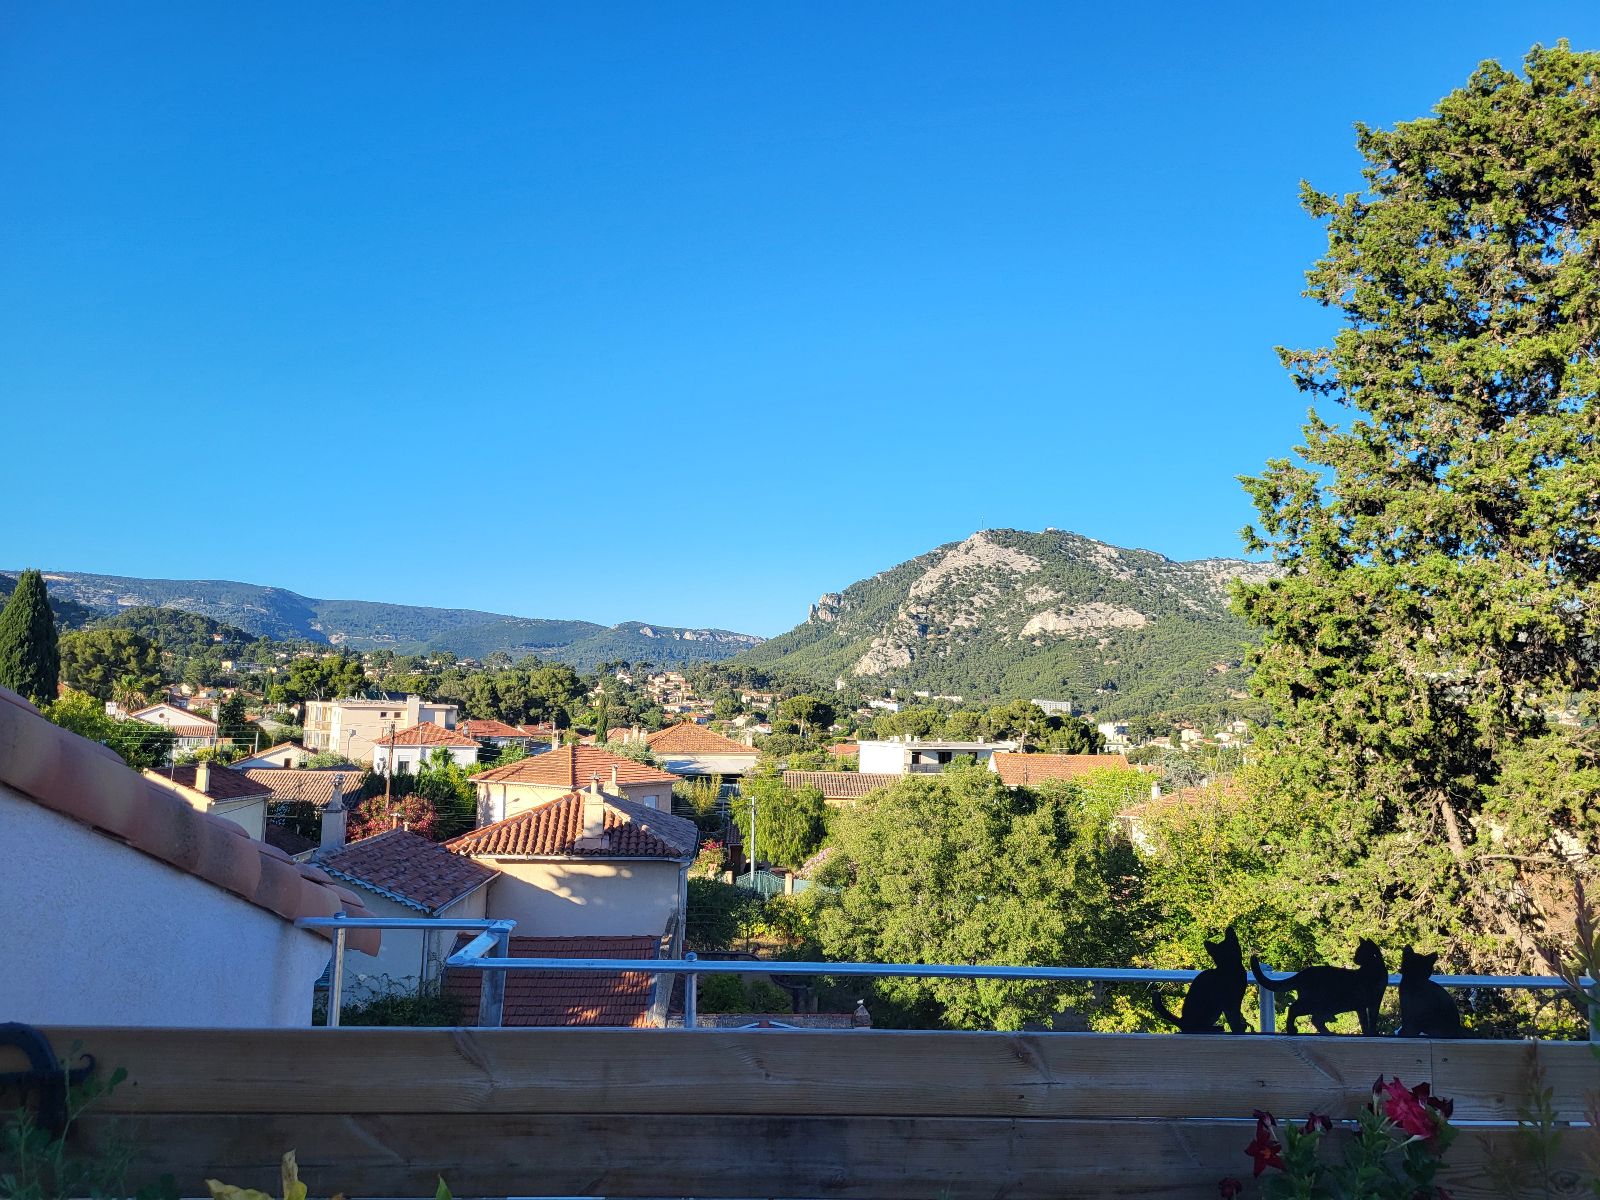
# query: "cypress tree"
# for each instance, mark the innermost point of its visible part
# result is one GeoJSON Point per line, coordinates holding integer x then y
{"type": "Point", "coordinates": [30, 662]}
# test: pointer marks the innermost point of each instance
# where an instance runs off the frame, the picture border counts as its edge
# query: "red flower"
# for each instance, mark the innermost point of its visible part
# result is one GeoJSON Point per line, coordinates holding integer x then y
{"type": "Point", "coordinates": [1408, 1109]}
{"type": "Point", "coordinates": [1316, 1121]}
{"type": "Point", "coordinates": [1264, 1148]}
{"type": "Point", "coordinates": [1229, 1187]}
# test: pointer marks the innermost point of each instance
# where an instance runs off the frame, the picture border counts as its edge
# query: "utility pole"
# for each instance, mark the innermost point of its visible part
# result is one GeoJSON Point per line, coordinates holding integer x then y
{"type": "Point", "coordinates": [752, 850]}
{"type": "Point", "coordinates": [388, 772]}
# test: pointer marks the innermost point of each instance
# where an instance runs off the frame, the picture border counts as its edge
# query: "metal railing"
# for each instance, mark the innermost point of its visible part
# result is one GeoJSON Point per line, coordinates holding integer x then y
{"type": "Point", "coordinates": [495, 936]}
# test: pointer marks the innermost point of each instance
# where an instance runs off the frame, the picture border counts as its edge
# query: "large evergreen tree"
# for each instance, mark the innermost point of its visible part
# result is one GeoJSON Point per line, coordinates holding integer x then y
{"type": "Point", "coordinates": [30, 662]}
{"type": "Point", "coordinates": [1431, 647]}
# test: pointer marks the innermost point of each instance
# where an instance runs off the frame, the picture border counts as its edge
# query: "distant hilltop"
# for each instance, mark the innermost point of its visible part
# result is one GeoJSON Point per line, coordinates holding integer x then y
{"type": "Point", "coordinates": [272, 612]}
{"type": "Point", "coordinates": [1014, 614]}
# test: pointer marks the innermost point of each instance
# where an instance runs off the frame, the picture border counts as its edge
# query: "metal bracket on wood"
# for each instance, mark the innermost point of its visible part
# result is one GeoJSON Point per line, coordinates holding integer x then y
{"type": "Point", "coordinates": [44, 1075]}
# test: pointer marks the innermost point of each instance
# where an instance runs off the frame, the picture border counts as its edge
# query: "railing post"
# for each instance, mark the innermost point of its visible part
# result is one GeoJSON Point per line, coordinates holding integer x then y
{"type": "Point", "coordinates": [1268, 1006]}
{"type": "Point", "coordinates": [691, 1001]}
{"type": "Point", "coordinates": [492, 995]}
{"type": "Point", "coordinates": [336, 979]}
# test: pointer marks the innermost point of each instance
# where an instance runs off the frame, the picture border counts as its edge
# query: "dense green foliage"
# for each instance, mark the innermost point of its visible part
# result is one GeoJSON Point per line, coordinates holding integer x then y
{"type": "Point", "coordinates": [1430, 647]}
{"type": "Point", "coordinates": [141, 746]}
{"type": "Point", "coordinates": [956, 868]}
{"type": "Point", "coordinates": [790, 823]}
{"type": "Point", "coordinates": [1018, 615]}
{"type": "Point", "coordinates": [110, 663]}
{"type": "Point", "coordinates": [718, 913]}
{"type": "Point", "coordinates": [30, 662]}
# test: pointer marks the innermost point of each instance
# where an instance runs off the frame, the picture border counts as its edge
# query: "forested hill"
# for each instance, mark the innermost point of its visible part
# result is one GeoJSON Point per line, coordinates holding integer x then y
{"type": "Point", "coordinates": [369, 625]}
{"type": "Point", "coordinates": [1014, 615]}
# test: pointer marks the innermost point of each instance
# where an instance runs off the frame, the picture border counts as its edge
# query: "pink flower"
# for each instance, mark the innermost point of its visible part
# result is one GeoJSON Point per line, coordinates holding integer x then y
{"type": "Point", "coordinates": [1407, 1108]}
{"type": "Point", "coordinates": [1316, 1121]}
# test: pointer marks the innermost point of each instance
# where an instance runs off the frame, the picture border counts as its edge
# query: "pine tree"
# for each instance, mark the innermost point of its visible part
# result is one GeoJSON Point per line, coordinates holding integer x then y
{"type": "Point", "coordinates": [30, 662]}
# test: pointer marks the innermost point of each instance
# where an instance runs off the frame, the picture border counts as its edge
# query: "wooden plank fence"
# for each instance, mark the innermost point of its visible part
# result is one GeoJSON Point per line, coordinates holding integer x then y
{"type": "Point", "coordinates": [854, 1114]}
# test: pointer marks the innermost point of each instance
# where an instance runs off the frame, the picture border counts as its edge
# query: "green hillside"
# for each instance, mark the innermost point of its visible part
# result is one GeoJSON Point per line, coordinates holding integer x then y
{"type": "Point", "coordinates": [1010, 614]}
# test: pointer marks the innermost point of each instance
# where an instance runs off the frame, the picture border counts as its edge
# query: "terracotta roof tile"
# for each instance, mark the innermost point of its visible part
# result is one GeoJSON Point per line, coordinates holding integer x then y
{"type": "Point", "coordinates": [426, 733]}
{"type": "Point", "coordinates": [845, 750]}
{"type": "Point", "coordinates": [840, 785]}
{"type": "Point", "coordinates": [563, 997]}
{"type": "Point", "coordinates": [688, 738]}
{"type": "Point", "coordinates": [1023, 770]}
{"type": "Point", "coordinates": [573, 767]}
{"type": "Point", "coordinates": [489, 729]}
{"type": "Point", "coordinates": [224, 784]}
{"type": "Point", "coordinates": [554, 828]}
{"type": "Point", "coordinates": [281, 837]}
{"type": "Point", "coordinates": [313, 786]}
{"type": "Point", "coordinates": [79, 779]}
{"type": "Point", "coordinates": [407, 868]}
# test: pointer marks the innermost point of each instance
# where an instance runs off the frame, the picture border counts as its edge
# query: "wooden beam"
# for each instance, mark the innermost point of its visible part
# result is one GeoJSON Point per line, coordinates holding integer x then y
{"type": "Point", "coordinates": [853, 1158]}
{"type": "Point", "coordinates": [876, 1073]}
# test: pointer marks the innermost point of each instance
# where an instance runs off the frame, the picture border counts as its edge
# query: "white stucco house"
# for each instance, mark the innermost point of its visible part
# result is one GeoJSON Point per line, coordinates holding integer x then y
{"type": "Point", "coordinates": [588, 864]}
{"type": "Point", "coordinates": [146, 910]}
{"type": "Point", "coordinates": [408, 749]}
{"type": "Point", "coordinates": [192, 730]}
{"type": "Point", "coordinates": [400, 874]}
{"type": "Point", "coordinates": [284, 754]}
{"type": "Point", "coordinates": [693, 750]}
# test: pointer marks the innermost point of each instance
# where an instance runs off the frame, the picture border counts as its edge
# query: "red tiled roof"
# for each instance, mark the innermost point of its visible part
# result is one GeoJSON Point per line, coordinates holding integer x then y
{"type": "Point", "coordinates": [278, 747]}
{"type": "Point", "coordinates": [426, 733]}
{"type": "Point", "coordinates": [688, 738]}
{"type": "Point", "coordinates": [225, 783]}
{"type": "Point", "coordinates": [839, 785]}
{"type": "Point", "coordinates": [845, 750]}
{"type": "Point", "coordinates": [201, 721]}
{"type": "Point", "coordinates": [572, 767]}
{"type": "Point", "coordinates": [1022, 770]}
{"type": "Point", "coordinates": [545, 729]}
{"type": "Point", "coordinates": [90, 784]}
{"type": "Point", "coordinates": [566, 997]}
{"type": "Point", "coordinates": [489, 729]}
{"type": "Point", "coordinates": [554, 828]}
{"type": "Point", "coordinates": [313, 786]}
{"type": "Point", "coordinates": [407, 868]}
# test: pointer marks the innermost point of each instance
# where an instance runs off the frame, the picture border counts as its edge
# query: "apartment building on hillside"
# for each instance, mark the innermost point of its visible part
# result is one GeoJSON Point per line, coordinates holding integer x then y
{"type": "Point", "coordinates": [353, 727]}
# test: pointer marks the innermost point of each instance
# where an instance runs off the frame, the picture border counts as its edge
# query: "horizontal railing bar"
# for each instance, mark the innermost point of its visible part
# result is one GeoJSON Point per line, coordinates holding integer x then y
{"type": "Point", "coordinates": [455, 923]}
{"type": "Point", "coordinates": [673, 966]}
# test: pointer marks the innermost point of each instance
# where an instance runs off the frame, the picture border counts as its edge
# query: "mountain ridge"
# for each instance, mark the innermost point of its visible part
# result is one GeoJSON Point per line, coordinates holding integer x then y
{"type": "Point", "coordinates": [282, 614]}
{"type": "Point", "coordinates": [1014, 614]}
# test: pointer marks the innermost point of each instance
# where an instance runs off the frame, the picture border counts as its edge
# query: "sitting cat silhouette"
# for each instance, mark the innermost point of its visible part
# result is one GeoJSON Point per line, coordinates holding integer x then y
{"type": "Point", "coordinates": [1426, 1009]}
{"type": "Point", "coordinates": [1215, 993]}
{"type": "Point", "coordinates": [1322, 993]}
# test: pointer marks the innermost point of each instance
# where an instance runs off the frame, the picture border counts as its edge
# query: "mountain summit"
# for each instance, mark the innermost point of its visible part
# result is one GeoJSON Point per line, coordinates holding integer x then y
{"type": "Point", "coordinates": [1012, 614]}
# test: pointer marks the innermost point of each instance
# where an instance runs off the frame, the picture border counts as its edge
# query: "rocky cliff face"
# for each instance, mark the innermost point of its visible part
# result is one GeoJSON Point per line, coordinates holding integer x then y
{"type": "Point", "coordinates": [1015, 614]}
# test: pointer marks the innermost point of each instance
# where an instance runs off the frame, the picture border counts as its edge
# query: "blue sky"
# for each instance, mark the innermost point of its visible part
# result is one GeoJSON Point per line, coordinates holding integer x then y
{"type": "Point", "coordinates": [676, 312]}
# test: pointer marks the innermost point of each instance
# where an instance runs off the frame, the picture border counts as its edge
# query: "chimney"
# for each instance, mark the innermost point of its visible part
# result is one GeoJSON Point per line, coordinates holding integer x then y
{"type": "Point", "coordinates": [594, 817]}
{"type": "Point", "coordinates": [616, 788]}
{"type": "Point", "coordinates": [334, 817]}
{"type": "Point", "coordinates": [861, 1019]}
{"type": "Point", "coordinates": [202, 776]}
{"type": "Point", "coordinates": [1155, 791]}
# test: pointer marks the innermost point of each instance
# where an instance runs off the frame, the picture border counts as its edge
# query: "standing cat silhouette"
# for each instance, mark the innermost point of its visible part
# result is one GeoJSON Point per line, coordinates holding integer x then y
{"type": "Point", "coordinates": [1322, 993]}
{"type": "Point", "coordinates": [1214, 994]}
{"type": "Point", "coordinates": [1426, 1009]}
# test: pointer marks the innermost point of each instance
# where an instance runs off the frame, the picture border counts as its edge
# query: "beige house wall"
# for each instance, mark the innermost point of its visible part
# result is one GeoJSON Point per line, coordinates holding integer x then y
{"type": "Point", "coordinates": [497, 801]}
{"type": "Point", "coordinates": [352, 727]}
{"type": "Point", "coordinates": [573, 898]}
